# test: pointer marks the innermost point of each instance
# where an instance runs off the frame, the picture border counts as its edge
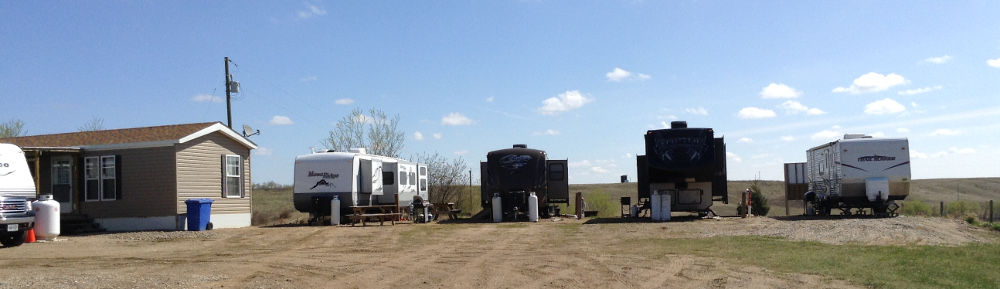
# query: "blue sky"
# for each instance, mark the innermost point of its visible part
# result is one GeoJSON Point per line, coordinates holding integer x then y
{"type": "Point", "coordinates": [582, 80]}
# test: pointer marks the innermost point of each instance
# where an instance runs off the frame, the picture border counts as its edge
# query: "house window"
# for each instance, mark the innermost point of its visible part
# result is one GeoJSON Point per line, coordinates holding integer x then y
{"type": "Point", "coordinates": [233, 177]}
{"type": "Point", "coordinates": [101, 178]}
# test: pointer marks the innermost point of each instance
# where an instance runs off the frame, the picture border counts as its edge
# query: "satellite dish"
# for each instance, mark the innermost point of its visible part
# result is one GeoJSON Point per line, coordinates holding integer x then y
{"type": "Point", "coordinates": [248, 131]}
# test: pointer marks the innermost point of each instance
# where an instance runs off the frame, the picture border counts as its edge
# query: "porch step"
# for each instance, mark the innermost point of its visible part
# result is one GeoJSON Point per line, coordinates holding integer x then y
{"type": "Point", "coordinates": [74, 224]}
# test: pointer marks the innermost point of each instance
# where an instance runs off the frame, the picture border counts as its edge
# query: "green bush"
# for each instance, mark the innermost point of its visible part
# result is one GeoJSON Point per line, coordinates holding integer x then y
{"type": "Point", "coordinates": [916, 208]}
{"type": "Point", "coordinates": [758, 201]}
{"type": "Point", "coordinates": [601, 202]}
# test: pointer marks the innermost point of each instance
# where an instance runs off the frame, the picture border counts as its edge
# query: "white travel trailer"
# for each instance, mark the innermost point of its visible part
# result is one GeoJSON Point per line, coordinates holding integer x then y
{"type": "Point", "coordinates": [858, 172]}
{"type": "Point", "coordinates": [17, 190]}
{"type": "Point", "coordinates": [356, 179]}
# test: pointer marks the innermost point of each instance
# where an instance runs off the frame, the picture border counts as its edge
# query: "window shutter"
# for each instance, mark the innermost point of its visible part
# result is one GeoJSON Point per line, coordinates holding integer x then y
{"type": "Point", "coordinates": [118, 177]}
{"type": "Point", "coordinates": [223, 176]}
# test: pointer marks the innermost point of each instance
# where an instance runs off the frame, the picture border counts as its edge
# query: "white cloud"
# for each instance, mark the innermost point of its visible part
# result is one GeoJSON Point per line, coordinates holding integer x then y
{"type": "Point", "coordinates": [547, 132]}
{"type": "Point", "coordinates": [312, 11]}
{"type": "Point", "coordinates": [262, 151]}
{"type": "Point", "coordinates": [779, 90]}
{"type": "Point", "coordinates": [618, 75]}
{"type": "Point", "coordinates": [815, 111]}
{"type": "Point", "coordinates": [583, 163]}
{"type": "Point", "coordinates": [599, 170]}
{"type": "Point", "coordinates": [917, 155]}
{"type": "Point", "coordinates": [564, 102]}
{"type": "Point", "coordinates": [834, 133]}
{"type": "Point", "coordinates": [938, 60]}
{"type": "Point", "coordinates": [793, 107]}
{"type": "Point", "coordinates": [872, 82]}
{"type": "Point", "coordinates": [206, 97]}
{"type": "Point", "coordinates": [902, 130]}
{"type": "Point", "coordinates": [993, 62]}
{"type": "Point", "coordinates": [418, 136]}
{"type": "Point", "coordinates": [745, 140]}
{"type": "Point", "coordinates": [919, 90]}
{"type": "Point", "coordinates": [788, 138]}
{"type": "Point", "coordinates": [885, 106]}
{"type": "Point", "coordinates": [462, 152]}
{"type": "Point", "coordinates": [953, 150]}
{"type": "Point", "coordinates": [281, 120]}
{"type": "Point", "coordinates": [698, 111]}
{"type": "Point", "coordinates": [946, 132]}
{"type": "Point", "coordinates": [344, 101]}
{"type": "Point", "coordinates": [489, 99]}
{"type": "Point", "coordinates": [308, 79]}
{"type": "Point", "coordinates": [455, 119]}
{"type": "Point", "coordinates": [734, 157]}
{"type": "Point", "coordinates": [753, 112]}
{"type": "Point", "coordinates": [627, 155]}
{"type": "Point", "coordinates": [437, 135]}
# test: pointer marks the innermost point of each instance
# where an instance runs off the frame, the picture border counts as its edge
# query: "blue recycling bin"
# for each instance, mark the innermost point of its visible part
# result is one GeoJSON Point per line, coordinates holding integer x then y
{"type": "Point", "coordinates": [198, 213]}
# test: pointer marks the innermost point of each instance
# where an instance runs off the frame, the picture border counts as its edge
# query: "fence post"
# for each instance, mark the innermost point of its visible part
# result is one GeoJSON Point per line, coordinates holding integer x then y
{"type": "Point", "coordinates": [991, 211]}
{"type": "Point", "coordinates": [942, 208]}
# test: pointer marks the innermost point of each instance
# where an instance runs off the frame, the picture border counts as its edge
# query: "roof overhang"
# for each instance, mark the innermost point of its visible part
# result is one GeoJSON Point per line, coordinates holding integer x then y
{"type": "Point", "coordinates": [219, 127]}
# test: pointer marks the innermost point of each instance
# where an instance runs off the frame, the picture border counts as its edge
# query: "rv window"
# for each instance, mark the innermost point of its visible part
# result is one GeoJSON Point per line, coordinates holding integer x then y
{"type": "Point", "coordinates": [423, 185]}
{"type": "Point", "coordinates": [557, 171]}
{"type": "Point", "coordinates": [413, 176]}
{"type": "Point", "coordinates": [423, 171]}
{"type": "Point", "coordinates": [389, 178]}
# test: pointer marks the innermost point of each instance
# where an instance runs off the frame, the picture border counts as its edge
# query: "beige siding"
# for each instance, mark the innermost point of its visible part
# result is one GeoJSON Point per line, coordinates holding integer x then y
{"type": "Point", "coordinates": [200, 165]}
{"type": "Point", "coordinates": [147, 184]}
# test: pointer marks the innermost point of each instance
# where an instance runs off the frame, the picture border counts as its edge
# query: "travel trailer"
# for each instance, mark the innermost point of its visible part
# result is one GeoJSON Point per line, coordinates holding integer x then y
{"type": "Point", "coordinates": [686, 166]}
{"type": "Point", "coordinates": [17, 190]}
{"type": "Point", "coordinates": [858, 172]}
{"type": "Point", "coordinates": [510, 177]}
{"type": "Point", "coordinates": [356, 179]}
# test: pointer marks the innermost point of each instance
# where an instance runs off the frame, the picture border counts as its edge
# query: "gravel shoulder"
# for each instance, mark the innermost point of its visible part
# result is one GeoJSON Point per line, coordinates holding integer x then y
{"type": "Point", "coordinates": [557, 253]}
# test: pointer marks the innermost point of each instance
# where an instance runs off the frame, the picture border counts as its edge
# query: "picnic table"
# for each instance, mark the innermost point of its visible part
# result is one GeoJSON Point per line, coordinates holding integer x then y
{"type": "Point", "coordinates": [381, 213]}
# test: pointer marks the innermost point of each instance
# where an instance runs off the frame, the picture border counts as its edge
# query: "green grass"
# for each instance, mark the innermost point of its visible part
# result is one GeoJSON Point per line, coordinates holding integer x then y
{"type": "Point", "coordinates": [273, 207]}
{"type": "Point", "coordinates": [969, 266]}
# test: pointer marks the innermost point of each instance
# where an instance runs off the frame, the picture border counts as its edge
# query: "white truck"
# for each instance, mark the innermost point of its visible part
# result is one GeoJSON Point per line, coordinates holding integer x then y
{"type": "Point", "coordinates": [356, 178]}
{"type": "Point", "coordinates": [17, 190]}
{"type": "Point", "coordinates": [857, 173]}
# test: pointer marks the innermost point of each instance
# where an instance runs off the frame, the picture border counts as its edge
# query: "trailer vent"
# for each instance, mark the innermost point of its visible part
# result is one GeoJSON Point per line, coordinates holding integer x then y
{"type": "Point", "coordinates": [678, 124]}
{"type": "Point", "coordinates": [520, 146]}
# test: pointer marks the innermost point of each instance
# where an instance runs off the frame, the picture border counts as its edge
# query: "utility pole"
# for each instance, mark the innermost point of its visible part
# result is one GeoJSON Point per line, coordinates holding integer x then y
{"type": "Point", "coordinates": [229, 105]}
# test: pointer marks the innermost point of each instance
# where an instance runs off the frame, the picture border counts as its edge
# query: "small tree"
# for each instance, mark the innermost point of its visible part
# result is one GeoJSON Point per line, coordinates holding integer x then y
{"type": "Point", "coordinates": [12, 128]}
{"type": "Point", "coordinates": [758, 200]}
{"type": "Point", "coordinates": [95, 124]}
{"type": "Point", "coordinates": [448, 178]}
{"type": "Point", "coordinates": [378, 133]}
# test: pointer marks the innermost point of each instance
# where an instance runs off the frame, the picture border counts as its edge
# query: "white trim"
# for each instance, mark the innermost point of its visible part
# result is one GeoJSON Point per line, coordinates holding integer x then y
{"type": "Point", "coordinates": [179, 222]}
{"type": "Point", "coordinates": [220, 128]}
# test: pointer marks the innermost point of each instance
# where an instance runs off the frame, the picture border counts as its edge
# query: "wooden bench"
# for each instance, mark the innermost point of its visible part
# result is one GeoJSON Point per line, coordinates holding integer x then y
{"type": "Point", "coordinates": [446, 208]}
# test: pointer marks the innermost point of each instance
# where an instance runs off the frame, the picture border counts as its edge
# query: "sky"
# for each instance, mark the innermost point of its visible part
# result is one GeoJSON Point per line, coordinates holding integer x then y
{"type": "Point", "coordinates": [582, 80]}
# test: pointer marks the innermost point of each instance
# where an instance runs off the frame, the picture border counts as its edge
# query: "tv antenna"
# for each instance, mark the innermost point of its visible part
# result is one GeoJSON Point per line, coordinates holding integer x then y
{"type": "Point", "coordinates": [248, 131]}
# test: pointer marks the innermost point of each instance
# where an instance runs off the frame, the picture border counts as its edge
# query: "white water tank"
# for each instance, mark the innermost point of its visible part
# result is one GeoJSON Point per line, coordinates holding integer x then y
{"type": "Point", "coordinates": [46, 218]}
{"type": "Point", "coordinates": [533, 207]}
{"type": "Point", "coordinates": [497, 209]}
{"type": "Point", "coordinates": [335, 211]}
{"type": "Point", "coordinates": [654, 202]}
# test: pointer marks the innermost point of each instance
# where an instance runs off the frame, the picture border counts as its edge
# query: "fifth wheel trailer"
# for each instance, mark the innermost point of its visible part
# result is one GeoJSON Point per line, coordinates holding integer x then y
{"type": "Point", "coordinates": [858, 172]}
{"type": "Point", "coordinates": [688, 164]}
{"type": "Point", "coordinates": [356, 179]}
{"type": "Point", "coordinates": [512, 175]}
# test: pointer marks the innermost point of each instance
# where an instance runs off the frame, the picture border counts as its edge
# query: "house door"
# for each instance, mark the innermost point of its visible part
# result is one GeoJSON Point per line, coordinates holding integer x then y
{"type": "Point", "coordinates": [62, 183]}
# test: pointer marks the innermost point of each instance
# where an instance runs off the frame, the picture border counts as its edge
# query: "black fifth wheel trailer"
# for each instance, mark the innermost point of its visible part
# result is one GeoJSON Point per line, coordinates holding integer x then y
{"type": "Point", "coordinates": [514, 173]}
{"type": "Point", "coordinates": [689, 164]}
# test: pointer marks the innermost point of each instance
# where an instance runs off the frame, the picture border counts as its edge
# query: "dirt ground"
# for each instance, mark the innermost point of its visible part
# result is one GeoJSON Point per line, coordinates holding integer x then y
{"type": "Point", "coordinates": [556, 253]}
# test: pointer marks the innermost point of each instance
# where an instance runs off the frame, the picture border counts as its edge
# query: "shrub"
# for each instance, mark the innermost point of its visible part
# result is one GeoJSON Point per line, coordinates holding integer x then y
{"type": "Point", "coordinates": [961, 208]}
{"type": "Point", "coordinates": [916, 208]}
{"type": "Point", "coordinates": [758, 200]}
{"type": "Point", "coordinates": [601, 202]}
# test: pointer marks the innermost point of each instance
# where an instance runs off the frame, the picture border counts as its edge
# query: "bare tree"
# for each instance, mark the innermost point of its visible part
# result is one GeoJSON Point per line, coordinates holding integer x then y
{"type": "Point", "coordinates": [95, 124]}
{"type": "Point", "coordinates": [376, 132]}
{"type": "Point", "coordinates": [447, 177]}
{"type": "Point", "coordinates": [12, 128]}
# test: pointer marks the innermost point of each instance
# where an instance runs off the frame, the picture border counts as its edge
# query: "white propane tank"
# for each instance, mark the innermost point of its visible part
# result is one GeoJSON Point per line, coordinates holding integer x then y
{"type": "Point", "coordinates": [533, 207]}
{"type": "Point", "coordinates": [654, 202]}
{"type": "Point", "coordinates": [335, 211]}
{"type": "Point", "coordinates": [665, 207]}
{"type": "Point", "coordinates": [497, 209]}
{"type": "Point", "coordinates": [46, 218]}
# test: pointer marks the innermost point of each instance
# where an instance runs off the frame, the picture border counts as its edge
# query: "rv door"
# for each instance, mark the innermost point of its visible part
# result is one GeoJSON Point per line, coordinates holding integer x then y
{"type": "Point", "coordinates": [371, 177]}
{"type": "Point", "coordinates": [423, 179]}
{"type": "Point", "coordinates": [558, 179]}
